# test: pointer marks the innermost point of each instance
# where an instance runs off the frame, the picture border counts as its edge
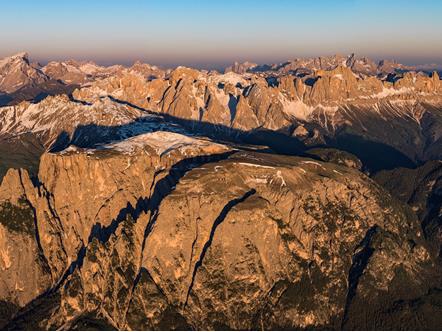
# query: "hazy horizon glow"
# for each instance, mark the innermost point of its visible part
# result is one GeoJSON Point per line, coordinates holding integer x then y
{"type": "Point", "coordinates": [216, 33]}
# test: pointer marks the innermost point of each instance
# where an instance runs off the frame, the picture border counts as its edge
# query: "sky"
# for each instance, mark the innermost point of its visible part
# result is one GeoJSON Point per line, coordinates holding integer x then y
{"type": "Point", "coordinates": [212, 33]}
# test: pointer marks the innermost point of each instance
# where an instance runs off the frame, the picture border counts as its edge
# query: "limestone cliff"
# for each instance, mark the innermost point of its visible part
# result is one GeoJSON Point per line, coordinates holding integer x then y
{"type": "Point", "coordinates": [166, 231]}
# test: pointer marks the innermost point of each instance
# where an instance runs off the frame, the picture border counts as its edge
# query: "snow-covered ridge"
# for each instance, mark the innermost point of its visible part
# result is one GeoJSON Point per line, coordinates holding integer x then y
{"type": "Point", "coordinates": [56, 114]}
{"type": "Point", "coordinates": [163, 142]}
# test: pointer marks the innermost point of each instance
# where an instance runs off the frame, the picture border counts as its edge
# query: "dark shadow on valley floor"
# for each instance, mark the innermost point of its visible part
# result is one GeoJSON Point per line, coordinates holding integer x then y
{"type": "Point", "coordinates": [375, 156]}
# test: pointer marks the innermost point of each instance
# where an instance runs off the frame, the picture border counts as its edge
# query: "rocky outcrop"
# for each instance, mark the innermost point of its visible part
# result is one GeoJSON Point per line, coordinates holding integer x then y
{"type": "Point", "coordinates": [62, 231]}
{"type": "Point", "coordinates": [166, 231]}
{"type": "Point", "coordinates": [391, 66]}
{"type": "Point", "coordinates": [147, 71]}
{"type": "Point", "coordinates": [327, 104]}
{"type": "Point", "coordinates": [24, 271]}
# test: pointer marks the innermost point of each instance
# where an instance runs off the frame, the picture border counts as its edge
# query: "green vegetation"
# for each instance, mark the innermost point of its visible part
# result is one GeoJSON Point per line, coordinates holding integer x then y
{"type": "Point", "coordinates": [18, 218]}
{"type": "Point", "coordinates": [336, 156]}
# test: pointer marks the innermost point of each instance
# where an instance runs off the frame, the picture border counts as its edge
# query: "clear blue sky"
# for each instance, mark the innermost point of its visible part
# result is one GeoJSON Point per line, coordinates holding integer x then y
{"type": "Point", "coordinates": [214, 33]}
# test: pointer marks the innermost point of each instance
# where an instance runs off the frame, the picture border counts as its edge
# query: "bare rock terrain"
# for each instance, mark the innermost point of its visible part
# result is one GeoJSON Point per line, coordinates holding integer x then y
{"type": "Point", "coordinates": [304, 195]}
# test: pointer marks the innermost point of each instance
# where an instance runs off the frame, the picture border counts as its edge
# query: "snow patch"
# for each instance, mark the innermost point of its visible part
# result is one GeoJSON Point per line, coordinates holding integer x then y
{"type": "Point", "coordinates": [230, 77]}
{"type": "Point", "coordinates": [386, 92]}
{"type": "Point", "coordinates": [313, 163]}
{"type": "Point", "coordinates": [255, 165]}
{"type": "Point", "coordinates": [280, 177]}
{"type": "Point", "coordinates": [296, 109]}
{"type": "Point", "coordinates": [163, 142]}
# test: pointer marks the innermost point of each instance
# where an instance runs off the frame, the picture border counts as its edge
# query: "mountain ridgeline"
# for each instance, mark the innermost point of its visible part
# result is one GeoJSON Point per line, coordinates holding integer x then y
{"type": "Point", "coordinates": [300, 195]}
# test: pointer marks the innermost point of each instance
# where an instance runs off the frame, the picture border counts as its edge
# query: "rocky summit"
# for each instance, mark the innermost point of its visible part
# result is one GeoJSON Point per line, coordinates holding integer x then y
{"type": "Point", "coordinates": [299, 195]}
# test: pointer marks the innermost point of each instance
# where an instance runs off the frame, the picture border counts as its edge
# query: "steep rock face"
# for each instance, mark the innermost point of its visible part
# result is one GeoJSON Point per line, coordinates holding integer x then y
{"type": "Point", "coordinates": [245, 119]}
{"type": "Point", "coordinates": [188, 236]}
{"type": "Point", "coordinates": [390, 66]}
{"type": "Point", "coordinates": [267, 106]}
{"type": "Point", "coordinates": [68, 71]}
{"type": "Point", "coordinates": [148, 71]}
{"type": "Point", "coordinates": [410, 129]}
{"type": "Point", "coordinates": [127, 86]}
{"type": "Point", "coordinates": [335, 85]}
{"type": "Point", "coordinates": [69, 233]}
{"type": "Point", "coordinates": [24, 271]}
{"type": "Point", "coordinates": [76, 176]}
{"type": "Point", "coordinates": [418, 82]}
{"type": "Point", "coordinates": [180, 99]}
{"type": "Point", "coordinates": [362, 65]}
{"type": "Point", "coordinates": [36, 205]}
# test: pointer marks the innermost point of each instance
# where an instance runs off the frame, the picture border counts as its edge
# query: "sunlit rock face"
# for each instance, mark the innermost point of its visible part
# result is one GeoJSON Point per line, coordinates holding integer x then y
{"type": "Point", "coordinates": [16, 72]}
{"type": "Point", "coordinates": [304, 195]}
{"type": "Point", "coordinates": [207, 235]}
{"type": "Point", "coordinates": [331, 102]}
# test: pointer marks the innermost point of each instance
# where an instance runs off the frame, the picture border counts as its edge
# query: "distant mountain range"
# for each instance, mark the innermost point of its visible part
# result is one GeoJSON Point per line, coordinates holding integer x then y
{"type": "Point", "coordinates": [21, 80]}
{"type": "Point", "coordinates": [359, 65]}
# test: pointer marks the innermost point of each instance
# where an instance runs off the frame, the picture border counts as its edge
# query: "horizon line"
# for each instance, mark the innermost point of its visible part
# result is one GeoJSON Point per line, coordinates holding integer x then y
{"type": "Point", "coordinates": [210, 65]}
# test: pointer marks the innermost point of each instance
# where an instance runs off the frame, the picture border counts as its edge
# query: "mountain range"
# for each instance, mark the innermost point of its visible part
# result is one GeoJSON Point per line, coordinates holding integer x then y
{"type": "Point", "coordinates": [300, 195]}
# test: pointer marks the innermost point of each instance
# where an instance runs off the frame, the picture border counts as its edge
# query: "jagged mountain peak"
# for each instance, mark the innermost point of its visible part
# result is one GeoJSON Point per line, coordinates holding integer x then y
{"type": "Point", "coordinates": [359, 64]}
{"type": "Point", "coordinates": [16, 72]}
{"type": "Point", "coordinates": [21, 56]}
